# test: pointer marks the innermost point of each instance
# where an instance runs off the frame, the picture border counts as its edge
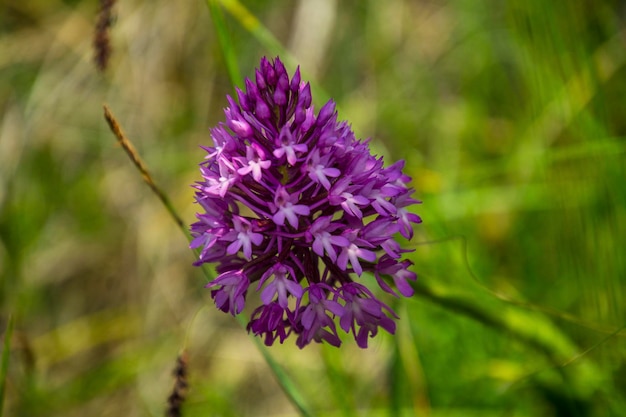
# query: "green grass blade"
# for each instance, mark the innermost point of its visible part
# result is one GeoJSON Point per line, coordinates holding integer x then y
{"type": "Point", "coordinates": [341, 389]}
{"type": "Point", "coordinates": [413, 394]}
{"type": "Point", "coordinates": [260, 32]}
{"type": "Point", "coordinates": [526, 326]}
{"type": "Point", "coordinates": [254, 26]}
{"type": "Point", "coordinates": [228, 52]}
{"type": "Point", "coordinates": [529, 327]}
{"type": "Point", "coordinates": [286, 383]}
{"type": "Point", "coordinates": [4, 365]}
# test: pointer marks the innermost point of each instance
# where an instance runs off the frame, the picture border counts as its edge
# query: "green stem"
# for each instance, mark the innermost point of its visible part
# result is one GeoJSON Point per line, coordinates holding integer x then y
{"type": "Point", "coordinates": [284, 380]}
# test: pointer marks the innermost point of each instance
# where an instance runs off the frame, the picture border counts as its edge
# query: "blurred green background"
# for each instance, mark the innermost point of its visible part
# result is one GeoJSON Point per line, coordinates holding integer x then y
{"type": "Point", "coordinates": [511, 117]}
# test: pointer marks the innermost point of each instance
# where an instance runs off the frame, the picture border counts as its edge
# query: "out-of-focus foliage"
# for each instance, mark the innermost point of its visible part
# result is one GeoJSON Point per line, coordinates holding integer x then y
{"type": "Point", "coordinates": [510, 116]}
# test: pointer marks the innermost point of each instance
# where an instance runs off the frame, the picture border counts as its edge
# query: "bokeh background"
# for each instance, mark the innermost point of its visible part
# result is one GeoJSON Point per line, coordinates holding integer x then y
{"type": "Point", "coordinates": [511, 118]}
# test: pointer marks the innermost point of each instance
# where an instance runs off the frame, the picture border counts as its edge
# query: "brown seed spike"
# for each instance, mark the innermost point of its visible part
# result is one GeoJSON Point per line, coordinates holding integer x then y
{"type": "Point", "coordinates": [179, 392]}
{"type": "Point", "coordinates": [101, 40]}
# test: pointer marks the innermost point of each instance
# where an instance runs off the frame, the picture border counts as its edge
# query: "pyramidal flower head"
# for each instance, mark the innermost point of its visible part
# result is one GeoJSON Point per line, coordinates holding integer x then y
{"type": "Point", "coordinates": [296, 209]}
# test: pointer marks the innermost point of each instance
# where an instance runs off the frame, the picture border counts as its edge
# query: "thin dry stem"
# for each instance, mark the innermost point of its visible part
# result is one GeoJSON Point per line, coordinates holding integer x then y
{"type": "Point", "coordinates": [140, 165]}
